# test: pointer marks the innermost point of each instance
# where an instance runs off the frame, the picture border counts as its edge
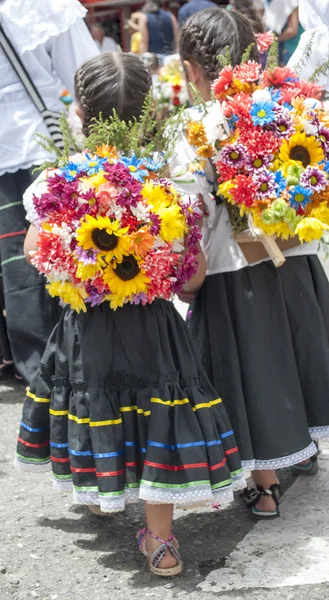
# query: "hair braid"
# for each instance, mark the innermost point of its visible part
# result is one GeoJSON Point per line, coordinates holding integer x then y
{"type": "Point", "coordinates": [80, 88]}
{"type": "Point", "coordinates": [209, 33]}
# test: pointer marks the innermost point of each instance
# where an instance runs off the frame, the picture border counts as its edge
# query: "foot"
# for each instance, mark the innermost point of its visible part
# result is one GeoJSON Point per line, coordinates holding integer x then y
{"type": "Point", "coordinates": [266, 504]}
{"type": "Point", "coordinates": [307, 467]}
{"type": "Point", "coordinates": [151, 545]}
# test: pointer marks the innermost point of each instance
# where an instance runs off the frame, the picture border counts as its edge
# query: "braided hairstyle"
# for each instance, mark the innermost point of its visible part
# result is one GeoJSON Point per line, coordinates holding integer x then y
{"type": "Point", "coordinates": [112, 81]}
{"type": "Point", "coordinates": [209, 33]}
{"type": "Point", "coordinates": [248, 10]}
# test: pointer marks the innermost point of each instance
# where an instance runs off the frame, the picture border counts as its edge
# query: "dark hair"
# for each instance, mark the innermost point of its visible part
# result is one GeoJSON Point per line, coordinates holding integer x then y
{"type": "Point", "coordinates": [209, 33]}
{"type": "Point", "coordinates": [248, 10]}
{"type": "Point", "coordinates": [112, 81]}
{"type": "Point", "coordinates": [152, 6]}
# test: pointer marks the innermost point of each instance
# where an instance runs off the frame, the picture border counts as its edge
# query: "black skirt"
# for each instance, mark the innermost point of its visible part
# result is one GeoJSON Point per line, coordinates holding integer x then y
{"type": "Point", "coordinates": [263, 334]}
{"type": "Point", "coordinates": [132, 413]}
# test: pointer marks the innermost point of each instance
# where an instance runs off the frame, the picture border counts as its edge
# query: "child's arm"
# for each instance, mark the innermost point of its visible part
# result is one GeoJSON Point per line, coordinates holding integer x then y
{"type": "Point", "coordinates": [193, 285]}
{"type": "Point", "coordinates": [292, 27]}
{"type": "Point", "coordinates": [30, 242]}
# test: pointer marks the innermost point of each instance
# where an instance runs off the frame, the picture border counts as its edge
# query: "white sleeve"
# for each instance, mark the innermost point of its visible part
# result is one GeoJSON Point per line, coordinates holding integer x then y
{"type": "Point", "coordinates": [38, 187]}
{"type": "Point", "coordinates": [69, 50]}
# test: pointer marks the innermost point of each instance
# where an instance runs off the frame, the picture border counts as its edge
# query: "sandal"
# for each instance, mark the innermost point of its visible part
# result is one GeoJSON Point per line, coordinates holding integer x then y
{"type": "Point", "coordinates": [96, 510]}
{"type": "Point", "coordinates": [154, 560]}
{"type": "Point", "coordinates": [274, 492]}
{"type": "Point", "coordinates": [309, 468]}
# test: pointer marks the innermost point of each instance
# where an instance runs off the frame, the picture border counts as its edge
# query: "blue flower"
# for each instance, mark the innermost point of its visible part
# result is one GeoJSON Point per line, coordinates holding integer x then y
{"type": "Point", "coordinates": [154, 164]}
{"type": "Point", "coordinates": [287, 106]}
{"type": "Point", "coordinates": [325, 165]}
{"type": "Point", "coordinates": [300, 197]}
{"type": "Point", "coordinates": [275, 94]}
{"type": "Point", "coordinates": [94, 164]}
{"type": "Point", "coordinates": [280, 183]}
{"type": "Point", "coordinates": [262, 113]}
{"type": "Point", "coordinates": [136, 167]}
{"type": "Point", "coordinates": [72, 170]}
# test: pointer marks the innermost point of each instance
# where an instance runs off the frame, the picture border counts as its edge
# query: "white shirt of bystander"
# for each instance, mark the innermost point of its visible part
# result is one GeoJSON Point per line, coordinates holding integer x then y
{"type": "Point", "coordinates": [53, 41]}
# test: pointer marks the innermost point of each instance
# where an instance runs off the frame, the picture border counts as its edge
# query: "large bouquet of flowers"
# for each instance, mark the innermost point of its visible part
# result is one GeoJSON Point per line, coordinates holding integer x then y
{"type": "Point", "coordinates": [112, 229]}
{"type": "Point", "coordinates": [274, 164]}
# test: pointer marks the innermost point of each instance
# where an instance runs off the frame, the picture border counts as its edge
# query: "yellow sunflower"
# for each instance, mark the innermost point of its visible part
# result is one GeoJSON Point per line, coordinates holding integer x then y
{"type": "Point", "coordinates": [103, 234]}
{"type": "Point", "coordinates": [69, 293]}
{"type": "Point", "coordinates": [302, 149]}
{"type": "Point", "coordinates": [125, 280]}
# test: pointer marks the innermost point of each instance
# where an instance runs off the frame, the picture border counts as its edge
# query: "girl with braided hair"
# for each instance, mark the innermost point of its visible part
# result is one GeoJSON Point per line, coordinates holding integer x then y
{"type": "Point", "coordinates": [263, 332]}
{"type": "Point", "coordinates": [133, 415]}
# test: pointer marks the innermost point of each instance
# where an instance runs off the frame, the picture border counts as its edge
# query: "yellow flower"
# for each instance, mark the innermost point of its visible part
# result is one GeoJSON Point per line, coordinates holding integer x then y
{"type": "Point", "coordinates": [125, 280]}
{"type": "Point", "coordinates": [69, 293]}
{"type": "Point", "coordinates": [196, 133]}
{"type": "Point", "coordinates": [280, 229]}
{"type": "Point", "coordinates": [321, 212]}
{"type": "Point", "coordinates": [106, 151]}
{"type": "Point", "coordinates": [224, 190]}
{"type": "Point", "coordinates": [173, 223]}
{"type": "Point", "coordinates": [205, 151]}
{"type": "Point", "coordinates": [86, 272]}
{"type": "Point", "coordinates": [156, 195]}
{"type": "Point", "coordinates": [302, 149]}
{"type": "Point", "coordinates": [103, 234]}
{"type": "Point", "coordinates": [95, 180]}
{"type": "Point", "coordinates": [310, 229]}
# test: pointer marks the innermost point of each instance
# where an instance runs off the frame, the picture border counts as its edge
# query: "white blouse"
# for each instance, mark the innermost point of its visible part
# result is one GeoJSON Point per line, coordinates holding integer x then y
{"type": "Point", "coordinates": [222, 251]}
{"type": "Point", "coordinates": [52, 41]}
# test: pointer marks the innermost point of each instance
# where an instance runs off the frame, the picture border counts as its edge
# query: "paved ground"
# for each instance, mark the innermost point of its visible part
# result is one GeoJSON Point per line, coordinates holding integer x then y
{"type": "Point", "coordinates": [53, 550]}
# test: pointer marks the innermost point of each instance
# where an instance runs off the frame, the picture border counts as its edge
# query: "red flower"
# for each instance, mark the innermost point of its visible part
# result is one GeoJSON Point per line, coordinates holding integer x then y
{"type": "Point", "coordinates": [176, 101]}
{"type": "Point", "coordinates": [239, 106]}
{"type": "Point", "coordinates": [244, 191]}
{"type": "Point", "coordinates": [128, 220]}
{"type": "Point", "coordinates": [259, 142]}
{"type": "Point", "coordinates": [225, 172]}
{"type": "Point", "coordinates": [279, 77]}
{"type": "Point", "coordinates": [223, 83]}
{"type": "Point", "coordinates": [264, 41]}
{"type": "Point", "coordinates": [176, 89]}
{"type": "Point", "coordinates": [247, 72]}
{"type": "Point", "coordinates": [309, 89]}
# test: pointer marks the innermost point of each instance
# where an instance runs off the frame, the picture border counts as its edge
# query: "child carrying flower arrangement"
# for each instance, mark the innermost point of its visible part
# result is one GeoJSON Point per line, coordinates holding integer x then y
{"type": "Point", "coordinates": [132, 413]}
{"type": "Point", "coordinates": [263, 331]}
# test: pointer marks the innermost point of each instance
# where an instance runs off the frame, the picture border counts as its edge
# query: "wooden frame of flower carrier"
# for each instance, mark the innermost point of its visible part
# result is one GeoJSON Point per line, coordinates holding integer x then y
{"type": "Point", "coordinates": [257, 248]}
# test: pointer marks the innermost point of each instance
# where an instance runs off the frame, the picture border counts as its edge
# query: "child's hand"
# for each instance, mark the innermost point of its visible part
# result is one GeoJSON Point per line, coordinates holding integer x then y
{"type": "Point", "coordinates": [186, 297]}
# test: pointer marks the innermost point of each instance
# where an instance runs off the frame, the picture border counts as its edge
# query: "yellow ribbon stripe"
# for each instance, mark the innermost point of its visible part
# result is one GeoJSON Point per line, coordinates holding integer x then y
{"type": "Point", "coordinates": [207, 404]}
{"type": "Point", "coordinates": [140, 411]}
{"type": "Point", "coordinates": [170, 402]}
{"type": "Point", "coordinates": [58, 413]}
{"type": "Point", "coordinates": [103, 423]}
{"type": "Point", "coordinates": [35, 398]}
{"type": "Point", "coordinates": [79, 421]}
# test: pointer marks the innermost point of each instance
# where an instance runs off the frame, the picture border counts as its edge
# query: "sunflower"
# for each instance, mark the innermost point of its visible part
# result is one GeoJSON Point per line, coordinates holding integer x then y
{"type": "Point", "coordinates": [69, 293]}
{"type": "Point", "coordinates": [302, 149]}
{"type": "Point", "coordinates": [103, 234]}
{"type": "Point", "coordinates": [125, 280]}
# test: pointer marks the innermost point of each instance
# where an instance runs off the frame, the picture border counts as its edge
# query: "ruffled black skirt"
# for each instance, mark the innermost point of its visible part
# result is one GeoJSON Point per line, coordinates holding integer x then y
{"type": "Point", "coordinates": [263, 334]}
{"type": "Point", "coordinates": [132, 413]}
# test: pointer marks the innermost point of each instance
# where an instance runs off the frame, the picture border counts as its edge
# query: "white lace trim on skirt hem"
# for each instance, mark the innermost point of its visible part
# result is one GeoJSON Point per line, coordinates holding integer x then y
{"type": "Point", "coordinates": [319, 433]}
{"type": "Point", "coordinates": [21, 465]}
{"type": "Point", "coordinates": [280, 463]}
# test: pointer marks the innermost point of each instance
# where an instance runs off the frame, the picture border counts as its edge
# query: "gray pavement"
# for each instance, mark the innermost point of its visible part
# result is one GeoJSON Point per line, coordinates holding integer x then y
{"type": "Point", "coordinates": [53, 550]}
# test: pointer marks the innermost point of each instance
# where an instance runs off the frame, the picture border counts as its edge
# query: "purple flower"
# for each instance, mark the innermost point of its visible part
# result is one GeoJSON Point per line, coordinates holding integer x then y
{"type": "Point", "coordinates": [185, 271]}
{"type": "Point", "coordinates": [234, 155]}
{"type": "Point", "coordinates": [140, 298]}
{"type": "Point", "coordinates": [254, 164]}
{"type": "Point", "coordinates": [46, 204]}
{"type": "Point", "coordinates": [56, 183]}
{"type": "Point", "coordinates": [130, 194]}
{"type": "Point", "coordinates": [118, 174]}
{"type": "Point", "coordinates": [313, 179]}
{"type": "Point", "coordinates": [94, 298]}
{"type": "Point", "coordinates": [192, 239]}
{"type": "Point", "coordinates": [70, 195]}
{"type": "Point", "coordinates": [324, 137]}
{"type": "Point", "coordinates": [87, 257]}
{"type": "Point", "coordinates": [265, 180]}
{"type": "Point", "coordinates": [156, 223]}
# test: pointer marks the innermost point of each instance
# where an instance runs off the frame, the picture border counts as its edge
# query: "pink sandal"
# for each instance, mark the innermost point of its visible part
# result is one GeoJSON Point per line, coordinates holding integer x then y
{"type": "Point", "coordinates": [154, 560]}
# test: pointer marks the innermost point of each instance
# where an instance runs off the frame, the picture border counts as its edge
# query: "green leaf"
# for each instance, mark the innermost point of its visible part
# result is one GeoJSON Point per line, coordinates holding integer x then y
{"type": "Point", "coordinates": [247, 53]}
{"type": "Point", "coordinates": [272, 60]}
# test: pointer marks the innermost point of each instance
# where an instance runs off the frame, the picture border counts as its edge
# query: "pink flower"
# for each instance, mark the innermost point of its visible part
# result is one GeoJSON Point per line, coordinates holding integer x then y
{"type": "Point", "coordinates": [264, 41]}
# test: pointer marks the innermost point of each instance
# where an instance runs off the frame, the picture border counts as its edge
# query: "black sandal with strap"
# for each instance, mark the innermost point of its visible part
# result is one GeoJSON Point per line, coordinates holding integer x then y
{"type": "Point", "coordinates": [273, 492]}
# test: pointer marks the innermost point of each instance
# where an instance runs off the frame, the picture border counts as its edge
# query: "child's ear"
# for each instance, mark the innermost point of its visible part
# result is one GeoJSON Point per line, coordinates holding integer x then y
{"type": "Point", "coordinates": [191, 71]}
{"type": "Point", "coordinates": [79, 112]}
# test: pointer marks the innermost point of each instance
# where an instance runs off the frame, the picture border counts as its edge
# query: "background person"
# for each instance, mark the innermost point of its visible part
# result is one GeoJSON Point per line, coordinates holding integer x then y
{"type": "Point", "coordinates": [159, 29]}
{"type": "Point", "coordinates": [104, 42]}
{"type": "Point", "coordinates": [52, 41]}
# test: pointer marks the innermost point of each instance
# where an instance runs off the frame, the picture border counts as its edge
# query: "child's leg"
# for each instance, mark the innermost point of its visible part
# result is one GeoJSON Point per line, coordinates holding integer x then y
{"type": "Point", "coordinates": [265, 479]}
{"type": "Point", "coordinates": [159, 521]}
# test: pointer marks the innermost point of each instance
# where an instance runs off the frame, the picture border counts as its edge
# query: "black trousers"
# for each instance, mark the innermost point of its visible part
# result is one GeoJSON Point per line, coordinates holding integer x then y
{"type": "Point", "coordinates": [30, 313]}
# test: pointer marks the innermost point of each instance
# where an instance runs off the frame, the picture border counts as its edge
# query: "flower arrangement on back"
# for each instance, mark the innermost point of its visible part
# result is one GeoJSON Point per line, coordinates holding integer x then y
{"type": "Point", "coordinates": [274, 164]}
{"type": "Point", "coordinates": [112, 228]}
